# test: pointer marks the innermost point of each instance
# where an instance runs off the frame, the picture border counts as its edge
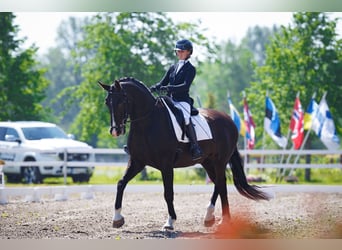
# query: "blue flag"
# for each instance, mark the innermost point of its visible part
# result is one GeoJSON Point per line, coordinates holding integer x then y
{"type": "Point", "coordinates": [240, 124]}
{"type": "Point", "coordinates": [272, 123]}
{"type": "Point", "coordinates": [324, 126]}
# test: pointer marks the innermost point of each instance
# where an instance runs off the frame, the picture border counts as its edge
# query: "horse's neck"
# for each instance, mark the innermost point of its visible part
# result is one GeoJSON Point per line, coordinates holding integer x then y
{"type": "Point", "coordinates": [142, 103]}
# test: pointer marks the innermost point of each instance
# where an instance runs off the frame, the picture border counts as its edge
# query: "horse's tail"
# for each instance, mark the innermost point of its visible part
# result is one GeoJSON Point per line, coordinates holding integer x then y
{"type": "Point", "coordinates": [240, 181]}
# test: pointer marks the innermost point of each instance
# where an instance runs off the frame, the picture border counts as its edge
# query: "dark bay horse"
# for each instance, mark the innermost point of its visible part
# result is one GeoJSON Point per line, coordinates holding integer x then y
{"type": "Point", "coordinates": [152, 142]}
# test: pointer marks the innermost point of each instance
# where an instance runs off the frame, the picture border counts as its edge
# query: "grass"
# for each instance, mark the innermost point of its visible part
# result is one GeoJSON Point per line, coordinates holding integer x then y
{"type": "Point", "coordinates": [105, 175]}
{"type": "Point", "coordinates": [111, 175]}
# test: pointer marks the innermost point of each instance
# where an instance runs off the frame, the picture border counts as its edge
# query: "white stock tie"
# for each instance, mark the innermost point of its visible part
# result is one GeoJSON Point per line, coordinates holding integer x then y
{"type": "Point", "coordinates": [180, 65]}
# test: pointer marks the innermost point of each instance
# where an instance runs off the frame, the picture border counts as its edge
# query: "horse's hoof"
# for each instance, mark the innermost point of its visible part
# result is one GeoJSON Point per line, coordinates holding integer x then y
{"type": "Point", "coordinates": [209, 223]}
{"type": "Point", "coordinates": [119, 223]}
{"type": "Point", "coordinates": [168, 228]}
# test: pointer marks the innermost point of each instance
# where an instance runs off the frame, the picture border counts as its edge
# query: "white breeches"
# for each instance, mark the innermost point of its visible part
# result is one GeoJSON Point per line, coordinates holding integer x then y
{"type": "Point", "coordinates": [185, 107]}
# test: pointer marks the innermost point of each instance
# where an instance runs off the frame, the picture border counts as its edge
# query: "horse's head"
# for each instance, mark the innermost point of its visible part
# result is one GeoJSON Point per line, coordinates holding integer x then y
{"type": "Point", "coordinates": [117, 103]}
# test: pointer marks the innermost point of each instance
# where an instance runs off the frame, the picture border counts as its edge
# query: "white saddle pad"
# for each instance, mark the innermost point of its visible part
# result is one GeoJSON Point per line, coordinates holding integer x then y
{"type": "Point", "coordinates": [201, 125]}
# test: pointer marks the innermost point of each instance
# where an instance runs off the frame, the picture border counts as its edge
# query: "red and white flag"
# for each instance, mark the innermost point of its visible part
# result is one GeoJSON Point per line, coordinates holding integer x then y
{"type": "Point", "coordinates": [250, 125]}
{"type": "Point", "coordinates": [297, 124]}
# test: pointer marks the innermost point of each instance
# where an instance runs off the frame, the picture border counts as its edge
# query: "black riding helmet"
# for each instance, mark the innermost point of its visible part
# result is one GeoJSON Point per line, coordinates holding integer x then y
{"type": "Point", "coordinates": [184, 44]}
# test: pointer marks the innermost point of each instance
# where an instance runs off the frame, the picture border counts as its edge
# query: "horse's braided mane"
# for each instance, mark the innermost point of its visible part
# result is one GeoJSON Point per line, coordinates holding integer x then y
{"type": "Point", "coordinates": [135, 81]}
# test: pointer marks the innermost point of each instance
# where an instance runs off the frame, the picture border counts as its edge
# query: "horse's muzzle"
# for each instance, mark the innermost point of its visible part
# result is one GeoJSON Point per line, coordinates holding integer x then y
{"type": "Point", "coordinates": [117, 130]}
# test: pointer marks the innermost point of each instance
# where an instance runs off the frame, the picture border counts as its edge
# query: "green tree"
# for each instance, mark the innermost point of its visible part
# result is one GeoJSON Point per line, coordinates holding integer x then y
{"type": "Point", "coordinates": [304, 58]}
{"type": "Point", "coordinates": [256, 39]}
{"type": "Point", "coordinates": [65, 70]}
{"type": "Point", "coordinates": [22, 84]}
{"type": "Point", "coordinates": [231, 71]}
{"type": "Point", "coordinates": [60, 74]}
{"type": "Point", "coordinates": [232, 67]}
{"type": "Point", "coordinates": [118, 45]}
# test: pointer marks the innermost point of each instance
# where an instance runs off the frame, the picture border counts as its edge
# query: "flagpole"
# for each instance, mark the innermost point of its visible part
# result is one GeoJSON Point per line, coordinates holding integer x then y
{"type": "Point", "coordinates": [245, 139]}
{"type": "Point", "coordinates": [288, 136]}
{"type": "Point", "coordinates": [272, 124]}
{"type": "Point", "coordinates": [307, 134]}
{"type": "Point", "coordinates": [263, 136]}
{"type": "Point", "coordinates": [246, 156]}
{"type": "Point", "coordinates": [249, 127]}
{"type": "Point", "coordinates": [282, 170]}
{"type": "Point", "coordinates": [287, 162]}
{"type": "Point", "coordinates": [301, 148]}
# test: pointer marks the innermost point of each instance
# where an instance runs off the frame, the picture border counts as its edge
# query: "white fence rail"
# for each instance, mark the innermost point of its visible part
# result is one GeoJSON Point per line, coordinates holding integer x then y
{"type": "Point", "coordinates": [117, 157]}
{"type": "Point", "coordinates": [256, 158]}
{"type": "Point", "coordinates": [292, 158]}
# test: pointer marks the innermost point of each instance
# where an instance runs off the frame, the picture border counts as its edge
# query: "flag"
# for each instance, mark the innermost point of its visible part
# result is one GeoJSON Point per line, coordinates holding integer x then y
{"type": "Point", "coordinates": [324, 126]}
{"type": "Point", "coordinates": [310, 114]}
{"type": "Point", "coordinates": [250, 125]}
{"type": "Point", "coordinates": [272, 123]}
{"type": "Point", "coordinates": [297, 124]}
{"type": "Point", "coordinates": [236, 118]}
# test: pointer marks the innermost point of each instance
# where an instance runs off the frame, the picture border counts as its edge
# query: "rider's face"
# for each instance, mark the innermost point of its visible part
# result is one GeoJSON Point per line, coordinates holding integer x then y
{"type": "Point", "coordinates": [182, 54]}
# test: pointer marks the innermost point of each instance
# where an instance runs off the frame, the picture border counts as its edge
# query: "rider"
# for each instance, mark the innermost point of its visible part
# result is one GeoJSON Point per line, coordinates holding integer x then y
{"type": "Point", "coordinates": [177, 81]}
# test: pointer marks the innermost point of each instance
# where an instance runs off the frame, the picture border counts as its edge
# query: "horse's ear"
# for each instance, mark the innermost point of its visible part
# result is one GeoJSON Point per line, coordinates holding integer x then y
{"type": "Point", "coordinates": [104, 86]}
{"type": "Point", "coordinates": [117, 85]}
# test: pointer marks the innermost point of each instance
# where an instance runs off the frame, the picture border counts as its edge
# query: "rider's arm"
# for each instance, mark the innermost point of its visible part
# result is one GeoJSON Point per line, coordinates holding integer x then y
{"type": "Point", "coordinates": [185, 86]}
{"type": "Point", "coordinates": [166, 78]}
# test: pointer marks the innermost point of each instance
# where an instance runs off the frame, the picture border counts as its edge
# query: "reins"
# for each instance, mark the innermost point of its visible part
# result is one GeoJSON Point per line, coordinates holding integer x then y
{"type": "Point", "coordinates": [140, 118]}
{"type": "Point", "coordinates": [147, 114]}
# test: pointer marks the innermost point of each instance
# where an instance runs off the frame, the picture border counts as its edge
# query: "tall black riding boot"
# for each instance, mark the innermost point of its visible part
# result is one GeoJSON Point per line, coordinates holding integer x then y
{"type": "Point", "coordinates": [194, 147]}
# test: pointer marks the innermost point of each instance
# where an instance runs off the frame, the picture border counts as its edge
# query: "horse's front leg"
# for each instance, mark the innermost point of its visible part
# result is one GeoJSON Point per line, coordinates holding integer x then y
{"type": "Point", "coordinates": [167, 175]}
{"type": "Point", "coordinates": [133, 168]}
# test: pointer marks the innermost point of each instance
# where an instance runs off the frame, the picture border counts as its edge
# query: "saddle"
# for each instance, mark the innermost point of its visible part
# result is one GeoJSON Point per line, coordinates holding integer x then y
{"type": "Point", "coordinates": [177, 121]}
{"type": "Point", "coordinates": [176, 112]}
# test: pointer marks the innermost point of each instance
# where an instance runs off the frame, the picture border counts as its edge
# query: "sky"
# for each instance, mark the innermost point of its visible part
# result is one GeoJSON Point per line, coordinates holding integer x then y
{"type": "Point", "coordinates": [41, 27]}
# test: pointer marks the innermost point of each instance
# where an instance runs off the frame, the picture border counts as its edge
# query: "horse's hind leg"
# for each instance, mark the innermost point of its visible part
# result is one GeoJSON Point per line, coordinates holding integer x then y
{"type": "Point", "coordinates": [167, 175]}
{"type": "Point", "coordinates": [132, 170]}
{"type": "Point", "coordinates": [217, 172]}
{"type": "Point", "coordinates": [209, 218]}
{"type": "Point", "coordinates": [221, 186]}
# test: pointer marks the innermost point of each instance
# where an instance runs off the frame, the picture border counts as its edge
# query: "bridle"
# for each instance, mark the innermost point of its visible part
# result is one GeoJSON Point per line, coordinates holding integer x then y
{"type": "Point", "coordinates": [126, 116]}
{"type": "Point", "coordinates": [122, 125]}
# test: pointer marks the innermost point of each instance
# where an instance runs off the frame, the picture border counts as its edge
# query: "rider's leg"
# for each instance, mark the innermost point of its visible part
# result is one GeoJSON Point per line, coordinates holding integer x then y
{"type": "Point", "coordinates": [195, 148]}
{"type": "Point", "coordinates": [190, 130]}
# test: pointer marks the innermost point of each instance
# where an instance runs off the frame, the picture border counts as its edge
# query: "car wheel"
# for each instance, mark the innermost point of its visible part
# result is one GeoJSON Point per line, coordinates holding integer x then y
{"type": "Point", "coordinates": [81, 178]}
{"type": "Point", "coordinates": [31, 174]}
{"type": "Point", "coordinates": [75, 178]}
{"type": "Point", "coordinates": [85, 178]}
{"type": "Point", "coordinates": [13, 178]}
